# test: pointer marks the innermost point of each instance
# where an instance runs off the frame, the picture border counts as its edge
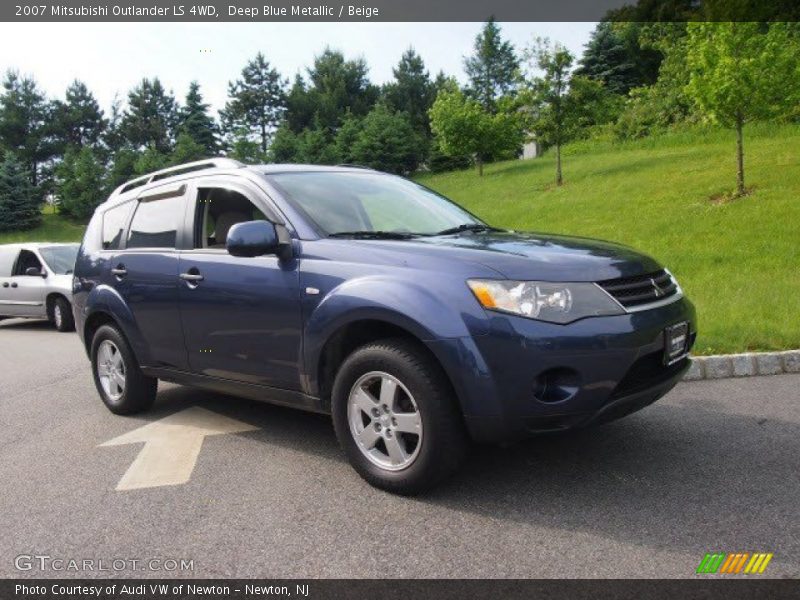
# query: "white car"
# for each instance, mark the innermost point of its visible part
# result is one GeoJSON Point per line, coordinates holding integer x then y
{"type": "Point", "coordinates": [36, 282]}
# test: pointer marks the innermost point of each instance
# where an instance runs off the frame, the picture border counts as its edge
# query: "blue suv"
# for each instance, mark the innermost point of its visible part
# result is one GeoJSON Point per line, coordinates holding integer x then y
{"type": "Point", "coordinates": [346, 291]}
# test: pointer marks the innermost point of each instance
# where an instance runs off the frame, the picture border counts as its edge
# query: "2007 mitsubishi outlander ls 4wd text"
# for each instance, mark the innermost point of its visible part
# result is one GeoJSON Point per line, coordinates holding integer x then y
{"type": "Point", "coordinates": [347, 291]}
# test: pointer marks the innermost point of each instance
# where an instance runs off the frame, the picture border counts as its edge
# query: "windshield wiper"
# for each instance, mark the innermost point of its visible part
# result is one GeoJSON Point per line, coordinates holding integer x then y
{"type": "Point", "coordinates": [373, 235]}
{"type": "Point", "coordinates": [465, 227]}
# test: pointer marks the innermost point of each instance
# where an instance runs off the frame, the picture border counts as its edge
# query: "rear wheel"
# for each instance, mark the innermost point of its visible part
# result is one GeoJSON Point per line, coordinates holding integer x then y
{"type": "Point", "coordinates": [62, 315]}
{"type": "Point", "coordinates": [396, 418]}
{"type": "Point", "coordinates": [120, 382]}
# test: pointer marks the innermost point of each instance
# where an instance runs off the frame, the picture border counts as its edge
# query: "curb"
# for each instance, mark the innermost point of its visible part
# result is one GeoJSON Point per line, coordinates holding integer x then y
{"type": "Point", "coordinates": [724, 366]}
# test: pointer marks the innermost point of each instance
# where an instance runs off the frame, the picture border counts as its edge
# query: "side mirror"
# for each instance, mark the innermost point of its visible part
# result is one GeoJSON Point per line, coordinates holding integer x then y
{"type": "Point", "coordinates": [35, 272]}
{"type": "Point", "coordinates": [256, 238]}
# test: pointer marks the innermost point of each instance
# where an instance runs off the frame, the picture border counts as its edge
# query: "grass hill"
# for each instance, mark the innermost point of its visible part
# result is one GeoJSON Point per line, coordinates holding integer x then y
{"type": "Point", "coordinates": [739, 260]}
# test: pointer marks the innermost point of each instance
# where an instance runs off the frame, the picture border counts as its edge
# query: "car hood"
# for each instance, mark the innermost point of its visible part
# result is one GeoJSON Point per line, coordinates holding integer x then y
{"type": "Point", "coordinates": [537, 256]}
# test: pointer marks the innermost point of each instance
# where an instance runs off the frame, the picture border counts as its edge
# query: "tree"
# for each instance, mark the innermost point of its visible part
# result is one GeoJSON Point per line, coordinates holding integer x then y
{"type": "Point", "coordinates": [187, 149]}
{"type": "Point", "coordinates": [316, 147]}
{"type": "Point", "coordinates": [19, 202]}
{"type": "Point", "coordinates": [25, 117]}
{"type": "Point", "coordinates": [552, 113]}
{"type": "Point", "coordinates": [387, 142]}
{"type": "Point", "coordinates": [285, 146]}
{"type": "Point", "coordinates": [346, 138]}
{"type": "Point", "coordinates": [242, 147]}
{"type": "Point", "coordinates": [492, 69]}
{"type": "Point", "coordinates": [79, 121]}
{"type": "Point", "coordinates": [463, 126]}
{"type": "Point", "coordinates": [614, 56]}
{"type": "Point", "coordinates": [196, 123]}
{"type": "Point", "coordinates": [123, 167]}
{"type": "Point", "coordinates": [740, 72]}
{"type": "Point", "coordinates": [412, 91]}
{"type": "Point", "coordinates": [151, 117]}
{"type": "Point", "coordinates": [257, 101]}
{"type": "Point", "coordinates": [338, 87]}
{"type": "Point", "coordinates": [150, 160]}
{"type": "Point", "coordinates": [80, 183]}
{"type": "Point", "coordinates": [113, 136]}
{"type": "Point", "coordinates": [299, 106]}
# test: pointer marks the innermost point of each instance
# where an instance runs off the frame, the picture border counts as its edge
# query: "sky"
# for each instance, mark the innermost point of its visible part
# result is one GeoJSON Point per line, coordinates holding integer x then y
{"type": "Point", "coordinates": [112, 57]}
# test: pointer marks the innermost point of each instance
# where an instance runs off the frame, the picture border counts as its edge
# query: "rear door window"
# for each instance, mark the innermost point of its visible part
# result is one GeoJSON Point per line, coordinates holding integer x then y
{"type": "Point", "coordinates": [155, 223]}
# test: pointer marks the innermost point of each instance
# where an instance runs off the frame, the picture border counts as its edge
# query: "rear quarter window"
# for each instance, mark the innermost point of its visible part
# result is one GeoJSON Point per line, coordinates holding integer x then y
{"type": "Point", "coordinates": [7, 258]}
{"type": "Point", "coordinates": [114, 221]}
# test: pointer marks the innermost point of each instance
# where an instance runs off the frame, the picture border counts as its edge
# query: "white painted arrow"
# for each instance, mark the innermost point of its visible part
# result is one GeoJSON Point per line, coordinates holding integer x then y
{"type": "Point", "coordinates": [171, 446]}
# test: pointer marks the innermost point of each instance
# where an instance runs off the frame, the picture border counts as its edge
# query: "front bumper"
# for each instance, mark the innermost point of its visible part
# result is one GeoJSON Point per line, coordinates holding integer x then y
{"type": "Point", "coordinates": [527, 377]}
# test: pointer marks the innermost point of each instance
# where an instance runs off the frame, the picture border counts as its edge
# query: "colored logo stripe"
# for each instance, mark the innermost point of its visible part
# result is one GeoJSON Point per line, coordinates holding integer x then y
{"type": "Point", "coordinates": [734, 563]}
{"type": "Point", "coordinates": [758, 563]}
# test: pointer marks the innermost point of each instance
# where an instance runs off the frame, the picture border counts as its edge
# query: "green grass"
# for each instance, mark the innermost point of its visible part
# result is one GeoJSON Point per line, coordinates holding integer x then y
{"type": "Point", "coordinates": [53, 229]}
{"type": "Point", "coordinates": [739, 261]}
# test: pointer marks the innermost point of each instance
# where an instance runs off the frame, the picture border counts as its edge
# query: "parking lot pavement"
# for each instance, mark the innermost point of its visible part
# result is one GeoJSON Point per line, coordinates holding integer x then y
{"type": "Point", "coordinates": [714, 466]}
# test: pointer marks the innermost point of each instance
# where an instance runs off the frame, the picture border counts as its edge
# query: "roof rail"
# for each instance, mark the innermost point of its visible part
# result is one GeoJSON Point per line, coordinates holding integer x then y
{"type": "Point", "coordinates": [198, 165]}
{"type": "Point", "coordinates": [355, 166]}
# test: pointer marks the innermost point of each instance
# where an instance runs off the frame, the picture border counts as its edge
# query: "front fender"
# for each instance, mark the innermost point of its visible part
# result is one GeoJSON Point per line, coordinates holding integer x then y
{"type": "Point", "coordinates": [105, 299]}
{"type": "Point", "coordinates": [412, 306]}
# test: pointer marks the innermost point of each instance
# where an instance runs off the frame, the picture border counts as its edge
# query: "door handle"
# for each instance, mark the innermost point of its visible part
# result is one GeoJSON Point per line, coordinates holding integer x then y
{"type": "Point", "coordinates": [119, 271]}
{"type": "Point", "coordinates": [192, 277]}
{"type": "Point", "coordinates": [14, 284]}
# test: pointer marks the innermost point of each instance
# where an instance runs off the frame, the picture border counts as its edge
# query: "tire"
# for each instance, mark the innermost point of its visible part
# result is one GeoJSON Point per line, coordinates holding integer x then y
{"type": "Point", "coordinates": [423, 419]}
{"type": "Point", "coordinates": [62, 315]}
{"type": "Point", "coordinates": [134, 392]}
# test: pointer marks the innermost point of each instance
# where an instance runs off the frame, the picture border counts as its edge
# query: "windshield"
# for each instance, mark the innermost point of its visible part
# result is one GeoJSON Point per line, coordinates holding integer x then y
{"type": "Point", "coordinates": [345, 202]}
{"type": "Point", "coordinates": [60, 259]}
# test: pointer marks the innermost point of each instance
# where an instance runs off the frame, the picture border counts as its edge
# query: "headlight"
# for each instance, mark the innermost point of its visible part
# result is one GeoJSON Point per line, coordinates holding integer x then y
{"type": "Point", "coordinates": [553, 302]}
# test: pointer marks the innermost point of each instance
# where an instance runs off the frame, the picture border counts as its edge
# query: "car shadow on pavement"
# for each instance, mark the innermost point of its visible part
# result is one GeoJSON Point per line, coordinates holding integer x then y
{"type": "Point", "coordinates": [655, 477]}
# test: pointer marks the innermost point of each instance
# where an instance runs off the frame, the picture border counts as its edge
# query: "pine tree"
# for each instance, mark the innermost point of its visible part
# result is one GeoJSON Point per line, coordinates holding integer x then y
{"type": "Point", "coordinates": [151, 117]}
{"type": "Point", "coordinates": [285, 146]}
{"type": "Point", "coordinates": [187, 149]}
{"type": "Point", "coordinates": [197, 123]}
{"type": "Point", "coordinates": [256, 102]}
{"type": "Point", "coordinates": [80, 183]}
{"type": "Point", "coordinates": [614, 56]}
{"type": "Point", "coordinates": [412, 91]}
{"type": "Point", "coordinates": [338, 87]}
{"type": "Point", "coordinates": [19, 205]}
{"type": "Point", "coordinates": [387, 142]}
{"type": "Point", "coordinates": [492, 69]}
{"type": "Point", "coordinates": [79, 121]}
{"type": "Point", "coordinates": [25, 117]}
{"type": "Point", "coordinates": [299, 106]}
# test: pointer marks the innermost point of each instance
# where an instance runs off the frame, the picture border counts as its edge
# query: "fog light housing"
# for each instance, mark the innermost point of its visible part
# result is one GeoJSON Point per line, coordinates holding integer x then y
{"type": "Point", "coordinates": [556, 385]}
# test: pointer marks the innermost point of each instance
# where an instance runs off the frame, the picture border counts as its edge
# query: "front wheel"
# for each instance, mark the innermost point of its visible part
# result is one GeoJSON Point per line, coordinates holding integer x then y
{"type": "Point", "coordinates": [396, 417]}
{"type": "Point", "coordinates": [122, 386]}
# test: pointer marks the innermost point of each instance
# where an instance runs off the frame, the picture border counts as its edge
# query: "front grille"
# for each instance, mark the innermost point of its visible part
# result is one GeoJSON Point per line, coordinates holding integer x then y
{"type": "Point", "coordinates": [641, 289]}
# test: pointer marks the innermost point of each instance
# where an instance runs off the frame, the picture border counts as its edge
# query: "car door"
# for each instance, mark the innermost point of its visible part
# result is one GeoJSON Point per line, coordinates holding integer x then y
{"type": "Point", "coordinates": [241, 316]}
{"type": "Point", "coordinates": [145, 272]}
{"type": "Point", "coordinates": [24, 295]}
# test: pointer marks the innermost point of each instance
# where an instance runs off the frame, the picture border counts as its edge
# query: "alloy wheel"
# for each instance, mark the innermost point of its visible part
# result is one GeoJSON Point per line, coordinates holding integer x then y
{"type": "Point", "coordinates": [111, 369]}
{"type": "Point", "coordinates": [384, 421]}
